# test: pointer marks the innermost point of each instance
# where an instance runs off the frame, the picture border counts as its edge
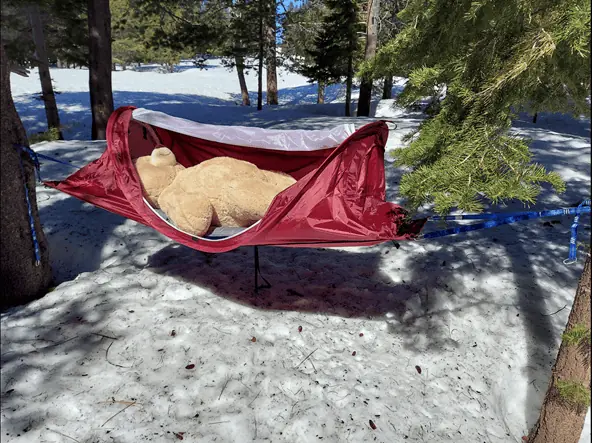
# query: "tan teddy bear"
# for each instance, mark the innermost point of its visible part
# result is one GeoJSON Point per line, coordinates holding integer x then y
{"type": "Point", "coordinates": [156, 172]}
{"type": "Point", "coordinates": [222, 191]}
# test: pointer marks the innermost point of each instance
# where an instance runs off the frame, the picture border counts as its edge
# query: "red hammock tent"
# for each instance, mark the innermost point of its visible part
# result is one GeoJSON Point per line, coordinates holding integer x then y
{"type": "Point", "coordinates": [338, 199]}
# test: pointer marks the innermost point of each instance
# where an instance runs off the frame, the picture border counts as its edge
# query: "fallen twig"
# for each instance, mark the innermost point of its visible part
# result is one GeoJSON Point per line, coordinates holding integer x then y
{"type": "Point", "coordinates": [220, 330]}
{"type": "Point", "coordinates": [553, 313]}
{"type": "Point", "coordinates": [117, 413]}
{"type": "Point", "coordinates": [121, 402]}
{"type": "Point", "coordinates": [218, 422]}
{"type": "Point", "coordinates": [107, 358]}
{"type": "Point", "coordinates": [224, 387]}
{"type": "Point", "coordinates": [306, 358]}
{"type": "Point", "coordinates": [63, 435]}
{"type": "Point", "coordinates": [254, 399]}
{"type": "Point", "coordinates": [104, 336]}
{"type": "Point", "coordinates": [60, 342]}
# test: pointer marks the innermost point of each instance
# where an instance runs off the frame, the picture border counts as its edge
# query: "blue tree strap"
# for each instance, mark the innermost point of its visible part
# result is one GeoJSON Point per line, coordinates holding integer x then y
{"type": "Point", "coordinates": [507, 220]}
{"type": "Point", "coordinates": [488, 215]}
{"type": "Point", "coordinates": [32, 156]}
{"type": "Point", "coordinates": [30, 209]}
{"type": "Point", "coordinates": [36, 156]}
{"type": "Point", "coordinates": [573, 246]}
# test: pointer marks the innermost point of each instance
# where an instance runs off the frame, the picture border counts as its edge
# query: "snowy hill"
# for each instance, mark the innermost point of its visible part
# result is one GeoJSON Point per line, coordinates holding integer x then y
{"type": "Point", "coordinates": [447, 340]}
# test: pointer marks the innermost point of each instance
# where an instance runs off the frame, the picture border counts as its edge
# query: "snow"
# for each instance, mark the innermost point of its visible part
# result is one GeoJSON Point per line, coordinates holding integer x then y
{"type": "Point", "coordinates": [444, 340]}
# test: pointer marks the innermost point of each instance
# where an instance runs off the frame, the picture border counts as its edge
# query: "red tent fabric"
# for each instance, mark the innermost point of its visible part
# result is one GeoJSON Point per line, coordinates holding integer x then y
{"type": "Point", "coordinates": [338, 199]}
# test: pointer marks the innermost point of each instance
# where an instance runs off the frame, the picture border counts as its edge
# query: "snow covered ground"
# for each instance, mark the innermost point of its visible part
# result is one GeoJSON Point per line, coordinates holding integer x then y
{"type": "Point", "coordinates": [447, 340]}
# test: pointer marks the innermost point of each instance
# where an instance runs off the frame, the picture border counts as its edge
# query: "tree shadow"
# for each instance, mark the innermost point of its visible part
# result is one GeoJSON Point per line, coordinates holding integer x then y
{"type": "Point", "coordinates": [82, 237]}
{"type": "Point", "coordinates": [59, 343]}
{"type": "Point", "coordinates": [75, 113]}
{"type": "Point", "coordinates": [524, 261]}
{"type": "Point", "coordinates": [330, 281]}
{"type": "Point", "coordinates": [510, 278]}
{"type": "Point", "coordinates": [47, 346]}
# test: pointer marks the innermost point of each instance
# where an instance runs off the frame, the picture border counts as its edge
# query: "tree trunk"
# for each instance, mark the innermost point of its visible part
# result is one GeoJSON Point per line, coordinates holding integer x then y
{"type": "Point", "coordinates": [261, 49]}
{"type": "Point", "coordinates": [387, 88]}
{"type": "Point", "coordinates": [272, 86]}
{"type": "Point", "coordinates": [365, 99]}
{"type": "Point", "coordinates": [240, 69]}
{"type": "Point", "coordinates": [320, 93]}
{"type": "Point", "coordinates": [100, 60]}
{"type": "Point", "coordinates": [51, 108]}
{"type": "Point", "coordinates": [21, 279]}
{"type": "Point", "coordinates": [348, 84]}
{"type": "Point", "coordinates": [562, 421]}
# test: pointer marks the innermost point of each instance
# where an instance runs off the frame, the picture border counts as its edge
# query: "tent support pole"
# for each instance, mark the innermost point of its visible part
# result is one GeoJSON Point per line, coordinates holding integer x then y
{"type": "Point", "coordinates": [258, 273]}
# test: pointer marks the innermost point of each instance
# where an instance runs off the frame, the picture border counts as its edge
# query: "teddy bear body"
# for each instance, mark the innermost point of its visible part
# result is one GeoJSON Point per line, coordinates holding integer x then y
{"type": "Point", "coordinates": [222, 191]}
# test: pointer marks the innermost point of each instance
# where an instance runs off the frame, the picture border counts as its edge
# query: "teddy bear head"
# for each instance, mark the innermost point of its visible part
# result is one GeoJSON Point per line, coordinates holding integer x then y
{"type": "Point", "coordinates": [157, 171]}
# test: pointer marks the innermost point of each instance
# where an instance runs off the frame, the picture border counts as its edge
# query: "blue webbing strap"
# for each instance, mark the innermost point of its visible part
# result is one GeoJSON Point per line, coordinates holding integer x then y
{"type": "Point", "coordinates": [35, 159]}
{"type": "Point", "coordinates": [30, 210]}
{"type": "Point", "coordinates": [35, 156]}
{"type": "Point", "coordinates": [498, 219]}
{"type": "Point", "coordinates": [573, 247]}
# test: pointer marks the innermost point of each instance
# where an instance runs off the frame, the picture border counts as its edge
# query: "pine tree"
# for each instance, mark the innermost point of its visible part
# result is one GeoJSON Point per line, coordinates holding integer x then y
{"type": "Point", "coordinates": [492, 59]}
{"type": "Point", "coordinates": [482, 63]}
{"type": "Point", "coordinates": [128, 39]}
{"type": "Point", "coordinates": [301, 28]}
{"type": "Point", "coordinates": [240, 44]}
{"type": "Point", "coordinates": [170, 30]}
{"type": "Point", "coordinates": [65, 28]}
{"type": "Point", "coordinates": [336, 47]}
{"type": "Point", "coordinates": [67, 32]}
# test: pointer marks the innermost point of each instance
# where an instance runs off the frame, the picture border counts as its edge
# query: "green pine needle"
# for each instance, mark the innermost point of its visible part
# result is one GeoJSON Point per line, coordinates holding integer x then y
{"type": "Point", "coordinates": [576, 335]}
{"type": "Point", "coordinates": [574, 392]}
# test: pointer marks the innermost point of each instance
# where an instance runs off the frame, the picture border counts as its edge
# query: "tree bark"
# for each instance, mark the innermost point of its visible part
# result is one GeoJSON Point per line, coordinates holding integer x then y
{"type": "Point", "coordinates": [261, 50]}
{"type": "Point", "coordinates": [387, 88]}
{"type": "Point", "coordinates": [348, 84]}
{"type": "Point", "coordinates": [560, 421]}
{"type": "Point", "coordinates": [100, 60]}
{"type": "Point", "coordinates": [51, 108]}
{"type": "Point", "coordinates": [272, 86]}
{"type": "Point", "coordinates": [21, 279]}
{"type": "Point", "coordinates": [320, 93]}
{"type": "Point", "coordinates": [240, 69]}
{"type": "Point", "coordinates": [365, 99]}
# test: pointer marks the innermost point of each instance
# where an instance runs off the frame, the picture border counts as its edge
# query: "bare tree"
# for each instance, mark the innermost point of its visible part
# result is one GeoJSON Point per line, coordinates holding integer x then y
{"type": "Point", "coordinates": [272, 86]}
{"type": "Point", "coordinates": [371, 42]}
{"type": "Point", "coordinates": [23, 275]}
{"type": "Point", "coordinates": [51, 108]}
{"type": "Point", "coordinates": [260, 56]}
{"type": "Point", "coordinates": [320, 93]}
{"type": "Point", "coordinates": [387, 87]}
{"type": "Point", "coordinates": [239, 61]}
{"type": "Point", "coordinates": [100, 61]}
